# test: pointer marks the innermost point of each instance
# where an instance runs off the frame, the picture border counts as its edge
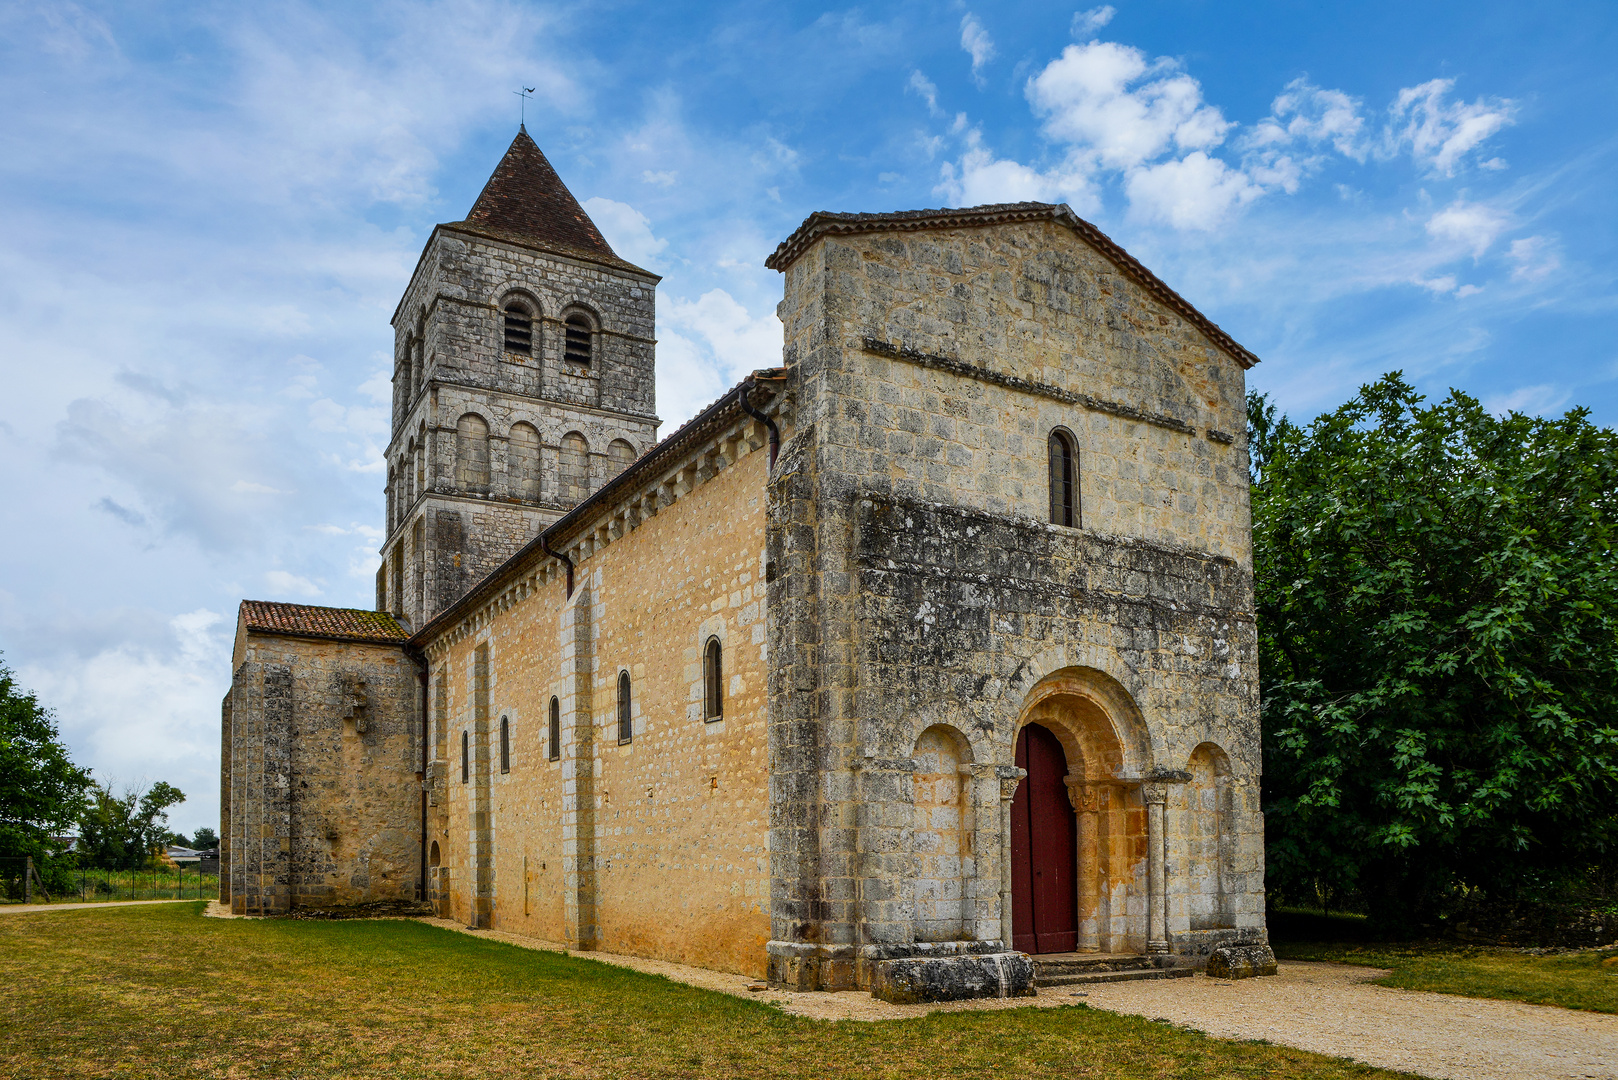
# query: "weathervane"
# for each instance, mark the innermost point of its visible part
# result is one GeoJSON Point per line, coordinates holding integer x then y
{"type": "Point", "coordinates": [523, 95]}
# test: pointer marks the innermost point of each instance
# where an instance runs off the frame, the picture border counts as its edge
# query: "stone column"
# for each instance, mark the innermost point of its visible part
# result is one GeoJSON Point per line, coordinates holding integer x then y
{"type": "Point", "coordinates": [1157, 935]}
{"type": "Point", "coordinates": [1086, 800]}
{"type": "Point", "coordinates": [1010, 776]}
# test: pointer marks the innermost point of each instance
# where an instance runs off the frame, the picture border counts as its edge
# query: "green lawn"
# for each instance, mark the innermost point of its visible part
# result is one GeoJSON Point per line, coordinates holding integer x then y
{"type": "Point", "coordinates": [163, 992]}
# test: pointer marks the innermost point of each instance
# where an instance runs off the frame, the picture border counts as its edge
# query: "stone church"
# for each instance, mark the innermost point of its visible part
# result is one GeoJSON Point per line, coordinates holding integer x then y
{"type": "Point", "coordinates": [930, 642]}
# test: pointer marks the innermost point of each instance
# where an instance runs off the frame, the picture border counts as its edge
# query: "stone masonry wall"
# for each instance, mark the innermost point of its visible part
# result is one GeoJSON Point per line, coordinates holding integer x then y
{"type": "Point", "coordinates": [654, 847]}
{"type": "Point", "coordinates": [322, 773]}
{"type": "Point", "coordinates": [917, 584]}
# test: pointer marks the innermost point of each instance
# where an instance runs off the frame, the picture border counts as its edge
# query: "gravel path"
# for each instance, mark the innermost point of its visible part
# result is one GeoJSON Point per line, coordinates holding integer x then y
{"type": "Point", "coordinates": [1332, 1009]}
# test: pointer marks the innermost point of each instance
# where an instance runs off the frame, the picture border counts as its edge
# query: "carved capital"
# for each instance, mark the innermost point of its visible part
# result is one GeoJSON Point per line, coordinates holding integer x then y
{"type": "Point", "coordinates": [1010, 776]}
{"type": "Point", "coordinates": [1085, 797]}
{"type": "Point", "coordinates": [1154, 793]}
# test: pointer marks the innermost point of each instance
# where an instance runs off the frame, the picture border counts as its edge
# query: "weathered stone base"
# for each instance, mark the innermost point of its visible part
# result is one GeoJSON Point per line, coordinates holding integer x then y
{"type": "Point", "coordinates": [916, 979]}
{"type": "Point", "coordinates": [1193, 947]}
{"type": "Point", "coordinates": [1240, 962]}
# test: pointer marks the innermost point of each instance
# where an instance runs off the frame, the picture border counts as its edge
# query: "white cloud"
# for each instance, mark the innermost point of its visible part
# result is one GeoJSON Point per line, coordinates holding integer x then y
{"type": "Point", "coordinates": [980, 177]}
{"type": "Point", "coordinates": [1086, 23]}
{"type": "Point", "coordinates": [1534, 400]}
{"type": "Point", "coordinates": [662, 178]}
{"type": "Point", "coordinates": [626, 229]}
{"type": "Point", "coordinates": [1287, 145]}
{"type": "Point", "coordinates": [249, 487]}
{"type": "Point", "coordinates": [1108, 98]}
{"type": "Point", "coordinates": [707, 345]}
{"type": "Point", "coordinates": [922, 86]}
{"type": "Point", "coordinates": [1467, 226]}
{"type": "Point", "coordinates": [976, 42]}
{"type": "Point", "coordinates": [1440, 133]}
{"type": "Point", "coordinates": [1195, 192]}
{"type": "Point", "coordinates": [283, 582]}
{"type": "Point", "coordinates": [1533, 258]}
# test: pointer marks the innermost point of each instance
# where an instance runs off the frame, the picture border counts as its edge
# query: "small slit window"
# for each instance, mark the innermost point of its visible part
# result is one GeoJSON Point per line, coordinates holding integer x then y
{"type": "Point", "coordinates": [578, 338]}
{"type": "Point", "coordinates": [713, 681]}
{"type": "Point", "coordinates": [626, 723]}
{"type": "Point", "coordinates": [1064, 480]}
{"type": "Point", "coordinates": [556, 730]}
{"type": "Point", "coordinates": [466, 761]}
{"type": "Point", "coordinates": [519, 322]}
{"type": "Point", "coordinates": [505, 744]}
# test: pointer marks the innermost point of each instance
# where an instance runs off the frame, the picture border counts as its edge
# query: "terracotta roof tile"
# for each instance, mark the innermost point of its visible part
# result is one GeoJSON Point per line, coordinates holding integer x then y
{"type": "Point", "coordinates": [825, 223]}
{"type": "Point", "coordinates": [527, 203]}
{"type": "Point", "coordinates": [306, 620]}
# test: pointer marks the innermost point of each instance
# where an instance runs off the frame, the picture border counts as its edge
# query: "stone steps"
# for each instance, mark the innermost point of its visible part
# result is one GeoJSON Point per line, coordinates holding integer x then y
{"type": "Point", "coordinates": [1075, 969]}
{"type": "Point", "coordinates": [1132, 975]}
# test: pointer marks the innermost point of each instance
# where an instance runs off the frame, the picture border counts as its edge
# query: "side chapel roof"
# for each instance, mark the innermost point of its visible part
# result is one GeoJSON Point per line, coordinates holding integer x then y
{"type": "Point", "coordinates": [526, 203]}
{"type": "Point", "coordinates": [825, 223]}
{"type": "Point", "coordinates": [307, 620]}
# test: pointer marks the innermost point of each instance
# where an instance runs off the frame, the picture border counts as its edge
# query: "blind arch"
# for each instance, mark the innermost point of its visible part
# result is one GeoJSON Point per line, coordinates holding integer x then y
{"type": "Point", "coordinates": [573, 467]}
{"type": "Point", "coordinates": [472, 454]}
{"type": "Point", "coordinates": [522, 461]}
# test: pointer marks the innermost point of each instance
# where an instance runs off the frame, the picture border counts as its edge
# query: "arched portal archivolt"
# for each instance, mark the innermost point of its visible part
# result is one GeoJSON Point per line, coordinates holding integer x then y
{"type": "Point", "coordinates": [1107, 749]}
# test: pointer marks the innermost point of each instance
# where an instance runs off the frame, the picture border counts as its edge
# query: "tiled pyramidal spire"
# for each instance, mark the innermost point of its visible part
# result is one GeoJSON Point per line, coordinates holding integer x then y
{"type": "Point", "coordinates": [526, 202]}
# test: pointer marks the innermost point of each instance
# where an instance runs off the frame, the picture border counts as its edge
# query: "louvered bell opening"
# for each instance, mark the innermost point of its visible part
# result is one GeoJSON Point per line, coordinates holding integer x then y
{"type": "Point", "coordinates": [578, 340]}
{"type": "Point", "coordinates": [519, 331]}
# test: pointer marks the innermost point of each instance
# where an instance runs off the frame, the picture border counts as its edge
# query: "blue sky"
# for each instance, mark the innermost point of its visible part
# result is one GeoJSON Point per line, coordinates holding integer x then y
{"type": "Point", "coordinates": [207, 214]}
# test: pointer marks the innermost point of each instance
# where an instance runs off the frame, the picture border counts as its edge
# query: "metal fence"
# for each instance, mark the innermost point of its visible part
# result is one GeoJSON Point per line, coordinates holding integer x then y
{"type": "Point", "coordinates": [21, 882]}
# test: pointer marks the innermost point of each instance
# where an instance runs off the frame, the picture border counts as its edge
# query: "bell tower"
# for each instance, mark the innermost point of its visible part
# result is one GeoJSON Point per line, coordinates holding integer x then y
{"type": "Point", "coordinates": [523, 380]}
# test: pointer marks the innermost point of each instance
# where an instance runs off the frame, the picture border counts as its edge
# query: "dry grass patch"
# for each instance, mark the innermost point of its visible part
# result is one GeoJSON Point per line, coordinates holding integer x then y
{"type": "Point", "coordinates": [163, 992]}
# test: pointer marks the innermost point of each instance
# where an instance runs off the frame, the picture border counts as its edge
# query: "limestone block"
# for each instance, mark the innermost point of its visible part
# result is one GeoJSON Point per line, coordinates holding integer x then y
{"type": "Point", "coordinates": [915, 979]}
{"type": "Point", "coordinates": [1241, 962]}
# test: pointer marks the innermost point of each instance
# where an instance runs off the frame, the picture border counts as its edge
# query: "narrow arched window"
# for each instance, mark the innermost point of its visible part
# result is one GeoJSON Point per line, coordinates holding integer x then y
{"type": "Point", "coordinates": [505, 744]}
{"type": "Point", "coordinates": [556, 730]}
{"type": "Point", "coordinates": [466, 760]}
{"type": "Point", "coordinates": [579, 335]}
{"type": "Point", "coordinates": [626, 723]}
{"type": "Point", "coordinates": [519, 327]}
{"type": "Point", "coordinates": [713, 681]}
{"type": "Point", "coordinates": [1064, 480]}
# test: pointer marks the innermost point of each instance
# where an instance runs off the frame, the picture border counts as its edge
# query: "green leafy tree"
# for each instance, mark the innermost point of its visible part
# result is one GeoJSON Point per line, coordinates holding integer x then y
{"type": "Point", "coordinates": [205, 839]}
{"type": "Point", "coordinates": [120, 832]}
{"type": "Point", "coordinates": [41, 790]}
{"type": "Point", "coordinates": [1437, 606]}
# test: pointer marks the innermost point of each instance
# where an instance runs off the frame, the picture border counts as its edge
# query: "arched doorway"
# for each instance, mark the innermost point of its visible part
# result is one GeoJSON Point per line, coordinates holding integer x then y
{"type": "Point", "coordinates": [1044, 849]}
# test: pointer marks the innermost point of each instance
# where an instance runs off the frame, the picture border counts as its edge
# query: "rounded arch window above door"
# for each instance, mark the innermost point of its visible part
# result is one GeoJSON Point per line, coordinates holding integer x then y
{"type": "Point", "coordinates": [579, 338]}
{"type": "Point", "coordinates": [1064, 462]}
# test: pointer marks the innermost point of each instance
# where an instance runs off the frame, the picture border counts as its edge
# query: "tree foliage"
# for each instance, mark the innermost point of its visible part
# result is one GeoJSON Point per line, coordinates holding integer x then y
{"type": "Point", "coordinates": [120, 832]}
{"type": "Point", "coordinates": [41, 790]}
{"type": "Point", "coordinates": [1437, 607]}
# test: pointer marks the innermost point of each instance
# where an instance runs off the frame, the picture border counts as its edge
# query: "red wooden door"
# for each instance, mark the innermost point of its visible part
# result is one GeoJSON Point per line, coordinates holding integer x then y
{"type": "Point", "coordinates": [1044, 849]}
